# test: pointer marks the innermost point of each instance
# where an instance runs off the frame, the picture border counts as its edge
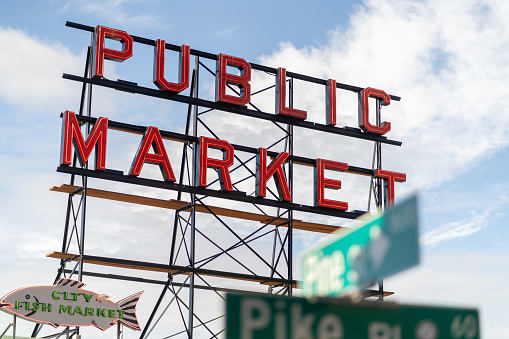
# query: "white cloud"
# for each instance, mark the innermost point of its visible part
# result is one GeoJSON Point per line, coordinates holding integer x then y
{"type": "Point", "coordinates": [118, 12]}
{"type": "Point", "coordinates": [456, 229]}
{"type": "Point", "coordinates": [226, 31]}
{"type": "Point", "coordinates": [470, 280]}
{"type": "Point", "coordinates": [32, 70]}
{"type": "Point", "coordinates": [445, 60]}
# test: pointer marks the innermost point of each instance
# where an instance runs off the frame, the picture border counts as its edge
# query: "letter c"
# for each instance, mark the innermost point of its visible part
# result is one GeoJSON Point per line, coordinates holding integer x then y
{"type": "Point", "coordinates": [54, 295]}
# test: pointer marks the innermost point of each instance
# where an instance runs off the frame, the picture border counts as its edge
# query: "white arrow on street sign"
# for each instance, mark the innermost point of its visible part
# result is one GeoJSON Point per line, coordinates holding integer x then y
{"type": "Point", "coordinates": [359, 257]}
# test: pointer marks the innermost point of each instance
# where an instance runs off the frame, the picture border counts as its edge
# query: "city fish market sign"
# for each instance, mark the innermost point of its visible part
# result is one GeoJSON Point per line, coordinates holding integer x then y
{"type": "Point", "coordinates": [225, 100]}
{"type": "Point", "coordinates": [67, 304]}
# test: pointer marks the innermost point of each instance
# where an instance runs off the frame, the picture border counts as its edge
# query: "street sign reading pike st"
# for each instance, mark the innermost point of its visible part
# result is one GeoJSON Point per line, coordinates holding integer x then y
{"type": "Point", "coordinates": [359, 257]}
{"type": "Point", "coordinates": [267, 317]}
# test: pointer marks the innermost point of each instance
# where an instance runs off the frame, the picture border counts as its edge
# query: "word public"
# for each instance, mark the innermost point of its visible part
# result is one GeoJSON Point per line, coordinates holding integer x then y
{"type": "Point", "coordinates": [224, 79]}
{"type": "Point", "coordinates": [72, 135]}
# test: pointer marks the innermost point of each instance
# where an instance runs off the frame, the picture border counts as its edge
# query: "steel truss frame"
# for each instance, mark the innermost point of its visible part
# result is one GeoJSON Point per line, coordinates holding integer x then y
{"type": "Point", "coordinates": [193, 270]}
{"type": "Point", "coordinates": [186, 227]}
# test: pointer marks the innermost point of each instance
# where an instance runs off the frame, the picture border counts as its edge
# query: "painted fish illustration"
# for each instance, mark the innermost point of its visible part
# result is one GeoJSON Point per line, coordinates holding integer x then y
{"type": "Point", "coordinates": [67, 304]}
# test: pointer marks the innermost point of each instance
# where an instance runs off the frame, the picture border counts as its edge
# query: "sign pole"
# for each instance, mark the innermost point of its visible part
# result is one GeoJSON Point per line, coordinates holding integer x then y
{"type": "Point", "coordinates": [14, 328]}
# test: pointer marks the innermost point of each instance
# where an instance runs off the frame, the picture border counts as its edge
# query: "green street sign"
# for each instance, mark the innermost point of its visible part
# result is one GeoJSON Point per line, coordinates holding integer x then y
{"type": "Point", "coordinates": [267, 317]}
{"type": "Point", "coordinates": [359, 257]}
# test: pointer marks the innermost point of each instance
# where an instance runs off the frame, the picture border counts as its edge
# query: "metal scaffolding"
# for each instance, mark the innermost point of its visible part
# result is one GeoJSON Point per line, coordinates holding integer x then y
{"type": "Point", "coordinates": [200, 258]}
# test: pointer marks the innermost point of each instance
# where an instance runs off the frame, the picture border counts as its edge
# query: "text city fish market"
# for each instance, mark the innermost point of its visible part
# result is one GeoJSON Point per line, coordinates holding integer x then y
{"type": "Point", "coordinates": [72, 135]}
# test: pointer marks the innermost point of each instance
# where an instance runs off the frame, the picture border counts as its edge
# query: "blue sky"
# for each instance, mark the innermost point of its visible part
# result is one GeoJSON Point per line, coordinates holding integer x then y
{"type": "Point", "coordinates": [448, 62]}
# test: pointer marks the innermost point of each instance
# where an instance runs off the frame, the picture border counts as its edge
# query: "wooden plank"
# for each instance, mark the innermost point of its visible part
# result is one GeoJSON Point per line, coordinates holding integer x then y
{"type": "Point", "coordinates": [180, 204]}
{"type": "Point", "coordinates": [73, 257]}
{"type": "Point", "coordinates": [375, 293]}
{"type": "Point", "coordinates": [144, 266]}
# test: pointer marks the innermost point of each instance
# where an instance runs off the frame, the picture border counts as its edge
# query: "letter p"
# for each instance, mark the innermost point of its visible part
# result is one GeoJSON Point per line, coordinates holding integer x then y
{"type": "Point", "coordinates": [100, 52]}
{"type": "Point", "coordinates": [255, 315]}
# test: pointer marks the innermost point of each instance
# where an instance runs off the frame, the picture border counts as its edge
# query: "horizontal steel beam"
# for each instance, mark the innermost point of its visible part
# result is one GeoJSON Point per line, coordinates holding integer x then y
{"type": "Point", "coordinates": [366, 293]}
{"type": "Point", "coordinates": [137, 129]}
{"type": "Point", "coordinates": [171, 269]}
{"type": "Point", "coordinates": [157, 282]}
{"type": "Point", "coordinates": [182, 205]}
{"type": "Point", "coordinates": [225, 107]}
{"type": "Point", "coordinates": [118, 176]}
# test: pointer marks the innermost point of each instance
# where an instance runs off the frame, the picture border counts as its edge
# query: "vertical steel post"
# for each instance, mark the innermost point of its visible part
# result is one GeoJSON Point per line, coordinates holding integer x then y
{"type": "Point", "coordinates": [82, 230]}
{"type": "Point", "coordinates": [290, 184]}
{"type": "Point", "coordinates": [193, 209]}
{"type": "Point", "coordinates": [84, 194]}
{"type": "Point", "coordinates": [379, 185]}
{"type": "Point", "coordinates": [194, 83]}
{"type": "Point", "coordinates": [81, 237]}
{"type": "Point", "coordinates": [379, 182]}
{"type": "Point", "coordinates": [82, 103]}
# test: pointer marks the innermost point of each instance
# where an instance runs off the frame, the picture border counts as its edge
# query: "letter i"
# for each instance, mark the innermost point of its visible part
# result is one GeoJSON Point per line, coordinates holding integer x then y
{"type": "Point", "coordinates": [280, 319]}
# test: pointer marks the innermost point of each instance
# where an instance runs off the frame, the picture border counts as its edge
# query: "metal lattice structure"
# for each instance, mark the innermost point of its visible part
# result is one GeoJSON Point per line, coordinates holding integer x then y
{"type": "Point", "coordinates": [210, 251]}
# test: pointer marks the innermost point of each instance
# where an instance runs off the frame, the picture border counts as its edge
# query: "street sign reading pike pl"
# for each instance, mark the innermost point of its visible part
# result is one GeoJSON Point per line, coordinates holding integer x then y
{"type": "Point", "coordinates": [359, 257]}
{"type": "Point", "coordinates": [268, 317]}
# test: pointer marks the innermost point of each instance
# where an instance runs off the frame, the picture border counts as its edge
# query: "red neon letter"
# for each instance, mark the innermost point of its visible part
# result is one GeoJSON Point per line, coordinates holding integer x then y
{"type": "Point", "coordinates": [275, 169]}
{"type": "Point", "coordinates": [364, 96]}
{"type": "Point", "coordinates": [281, 97]}
{"type": "Point", "coordinates": [221, 165]}
{"type": "Point", "coordinates": [330, 101]}
{"type": "Point", "coordinates": [159, 79]}
{"type": "Point", "coordinates": [71, 134]}
{"type": "Point", "coordinates": [152, 138]}
{"type": "Point", "coordinates": [321, 183]}
{"type": "Point", "coordinates": [100, 52]}
{"type": "Point", "coordinates": [242, 81]}
{"type": "Point", "coordinates": [391, 178]}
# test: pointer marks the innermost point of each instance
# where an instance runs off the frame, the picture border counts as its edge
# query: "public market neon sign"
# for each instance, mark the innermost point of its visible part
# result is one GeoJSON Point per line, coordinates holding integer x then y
{"type": "Point", "coordinates": [97, 139]}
